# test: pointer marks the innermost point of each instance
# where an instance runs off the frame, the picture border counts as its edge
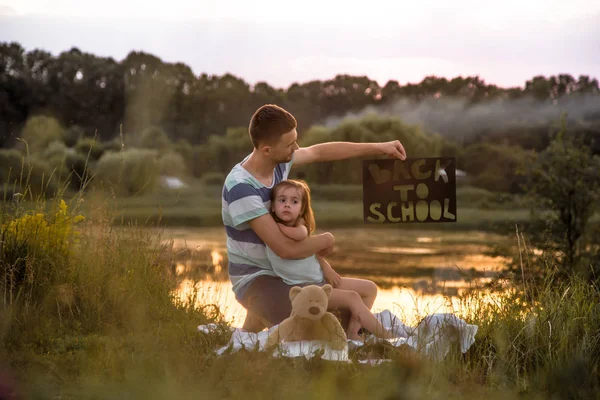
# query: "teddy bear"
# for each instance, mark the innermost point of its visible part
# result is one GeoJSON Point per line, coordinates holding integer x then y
{"type": "Point", "coordinates": [309, 319]}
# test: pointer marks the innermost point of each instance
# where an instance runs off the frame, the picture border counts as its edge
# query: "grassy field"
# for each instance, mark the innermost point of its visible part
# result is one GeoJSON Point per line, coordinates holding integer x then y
{"type": "Point", "coordinates": [88, 312]}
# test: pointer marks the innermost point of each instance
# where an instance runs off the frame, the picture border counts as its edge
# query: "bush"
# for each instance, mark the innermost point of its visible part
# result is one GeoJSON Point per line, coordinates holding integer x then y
{"type": "Point", "coordinates": [201, 161]}
{"type": "Point", "coordinates": [59, 280]}
{"type": "Point", "coordinates": [154, 138]}
{"type": "Point", "coordinates": [67, 165]}
{"type": "Point", "coordinates": [40, 131]}
{"type": "Point", "coordinates": [186, 150]}
{"type": "Point", "coordinates": [34, 253]}
{"type": "Point", "coordinates": [78, 170]}
{"type": "Point", "coordinates": [73, 135]}
{"type": "Point", "coordinates": [452, 149]}
{"type": "Point", "coordinates": [92, 147]}
{"type": "Point", "coordinates": [172, 164]}
{"type": "Point", "coordinates": [129, 172]}
{"type": "Point", "coordinates": [115, 144]}
{"type": "Point", "coordinates": [495, 167]}
{"type": "Point", "coordinates": [223, 152]}
{"type": "Point", "coordinates": [25, 175]}
{"type": "Point", "coordinates": [55, 155]}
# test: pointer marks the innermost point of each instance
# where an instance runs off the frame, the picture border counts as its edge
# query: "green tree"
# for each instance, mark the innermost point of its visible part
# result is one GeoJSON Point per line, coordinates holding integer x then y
{"type": "Point", "coordinates": [346, 93]}
{"type": "Point", "coordinates": [585, 84]}
{"type": "Point", "coordinates": [147, 91]}
{"type": "Point", "coordinates": [564, 180]}
{"type": "Point", "coordinates": [15, 92]}
{"type": "Point", "coordinates": [202, 161]}
{"type": "Point", "coordinates": [225, 151]}
{"type": "Point", "coordinates": [495, 167]}
{"type": "Point", "coordinates": [40, 131]}
{"type": "Point", "coordinates": [539, 87]}
{"type": "Point", "coordinates": [129, 172]}
{"type": "Point", "coordinates": [40, 66]}
{"type": "Point", "coordinates": [154, 138]}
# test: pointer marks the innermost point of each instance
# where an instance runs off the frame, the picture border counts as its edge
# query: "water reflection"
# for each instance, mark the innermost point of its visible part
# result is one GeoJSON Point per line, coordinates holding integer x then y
{"type": "Point", "coordinates": [417, 274]}
{"type": "Point", "coordinates": [406, 303]}
{"type": "Point", "coordinates": [217, 259]}
{"type": "Point", "coordinates": [402, 250]}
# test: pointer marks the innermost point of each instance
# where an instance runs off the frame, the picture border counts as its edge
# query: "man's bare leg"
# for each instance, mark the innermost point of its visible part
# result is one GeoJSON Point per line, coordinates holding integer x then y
{"type": "Point", "coordinates": [253, 323]}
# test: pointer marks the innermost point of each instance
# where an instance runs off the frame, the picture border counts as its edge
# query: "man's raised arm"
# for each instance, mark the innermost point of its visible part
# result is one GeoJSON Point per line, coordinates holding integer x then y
{"type": "Point", "coordinates": [333, 151]}
{"type": "Point", "coordinates": [266, 228]}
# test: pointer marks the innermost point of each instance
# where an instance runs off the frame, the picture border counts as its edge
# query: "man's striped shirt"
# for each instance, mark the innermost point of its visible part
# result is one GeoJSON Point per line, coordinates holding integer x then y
{"type": "Point", "coordinates": [245, 198]}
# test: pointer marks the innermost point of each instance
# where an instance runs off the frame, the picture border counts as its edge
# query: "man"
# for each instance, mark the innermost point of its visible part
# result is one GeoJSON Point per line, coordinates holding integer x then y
{"type": "Point", "coordinates": [248, 223]}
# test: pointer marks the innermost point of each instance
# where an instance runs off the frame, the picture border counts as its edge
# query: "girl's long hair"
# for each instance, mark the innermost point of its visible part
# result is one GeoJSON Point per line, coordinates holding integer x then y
{"type": "Point", "coordinates": [306, 211]}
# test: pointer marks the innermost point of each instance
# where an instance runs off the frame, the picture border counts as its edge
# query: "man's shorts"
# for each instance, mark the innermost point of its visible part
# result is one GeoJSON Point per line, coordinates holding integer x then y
{"type": "Point", "coordinates": [269, 298]}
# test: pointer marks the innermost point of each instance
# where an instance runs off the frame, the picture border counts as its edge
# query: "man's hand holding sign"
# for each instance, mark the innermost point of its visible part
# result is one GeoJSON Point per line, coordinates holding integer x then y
{"type": "Point", "coordinates": [393, 149]}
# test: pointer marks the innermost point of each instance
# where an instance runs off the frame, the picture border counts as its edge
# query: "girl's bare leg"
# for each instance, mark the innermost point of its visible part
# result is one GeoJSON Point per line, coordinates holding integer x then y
{"type": "Point", "coordinates": [366, 289]}
{"type": "Point", "coordinates": [361, 315]}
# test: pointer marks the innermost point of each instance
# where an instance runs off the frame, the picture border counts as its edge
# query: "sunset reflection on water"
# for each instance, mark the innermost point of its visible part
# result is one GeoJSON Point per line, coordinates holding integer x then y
{"type": "Point", "coordinates": [405, 303]}
{"type": "Point", "coordinates": [416, 276]}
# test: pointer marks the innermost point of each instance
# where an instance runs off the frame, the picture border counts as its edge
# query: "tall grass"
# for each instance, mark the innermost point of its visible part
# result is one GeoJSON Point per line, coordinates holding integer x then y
{"type": "Point", "coordinates": [93, 315]}
{"type": "Point", "coordinates": [81, 297]}
{"type": "Point", "coordinates": [549, 341]}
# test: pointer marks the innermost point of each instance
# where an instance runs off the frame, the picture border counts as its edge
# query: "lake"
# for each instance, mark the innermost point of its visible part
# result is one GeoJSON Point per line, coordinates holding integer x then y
{"type": "Point", "coordinates": [417, 272]}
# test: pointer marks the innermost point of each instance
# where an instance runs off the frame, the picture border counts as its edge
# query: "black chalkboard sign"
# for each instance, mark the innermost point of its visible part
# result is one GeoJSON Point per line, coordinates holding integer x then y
{"type": "Point", "coordinates": [413, 190]}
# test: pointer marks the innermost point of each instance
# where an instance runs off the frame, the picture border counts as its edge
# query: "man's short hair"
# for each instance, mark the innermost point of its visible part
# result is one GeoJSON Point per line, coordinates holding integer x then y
{"type": "Point", "coordinates": [268, 123]}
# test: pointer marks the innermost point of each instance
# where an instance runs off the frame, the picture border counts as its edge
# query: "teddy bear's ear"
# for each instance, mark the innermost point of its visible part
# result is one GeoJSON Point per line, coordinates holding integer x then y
{"type": "Point", "coordinates": [327, 289]}
{"type": "Point", "coordinates": [294, 292]}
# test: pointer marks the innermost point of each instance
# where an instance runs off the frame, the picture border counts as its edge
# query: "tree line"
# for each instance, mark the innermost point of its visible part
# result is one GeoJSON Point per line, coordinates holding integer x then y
{"type": "Point", "coordinates": [74, 114]}
{"type": "Point", "coordinates": [99, 94]}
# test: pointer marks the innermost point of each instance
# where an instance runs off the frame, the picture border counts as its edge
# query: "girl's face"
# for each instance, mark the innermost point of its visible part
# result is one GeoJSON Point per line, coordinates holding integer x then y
{"type": "Point", "coordinates": [288, 204]}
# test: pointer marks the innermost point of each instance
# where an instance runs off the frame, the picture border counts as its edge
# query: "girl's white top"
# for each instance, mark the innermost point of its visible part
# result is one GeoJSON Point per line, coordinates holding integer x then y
{"type": "Point", "coordinates": [296, 272]}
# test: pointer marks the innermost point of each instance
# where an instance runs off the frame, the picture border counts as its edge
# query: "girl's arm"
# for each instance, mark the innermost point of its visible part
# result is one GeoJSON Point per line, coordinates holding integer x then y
{"type": "Point", "coordinates": [296, 233]}
{"type": "Point", "coordinates": [332, 277]}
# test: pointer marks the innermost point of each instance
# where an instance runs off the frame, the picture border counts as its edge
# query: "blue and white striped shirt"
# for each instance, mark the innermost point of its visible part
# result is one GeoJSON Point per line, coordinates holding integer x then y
{"type": "Point", "coordinates": [245, 198]}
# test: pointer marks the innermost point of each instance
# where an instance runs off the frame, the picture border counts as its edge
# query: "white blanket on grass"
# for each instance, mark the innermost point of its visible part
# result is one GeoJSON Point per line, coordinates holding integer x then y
{"type": "Point", "coordinates": [434, 336]}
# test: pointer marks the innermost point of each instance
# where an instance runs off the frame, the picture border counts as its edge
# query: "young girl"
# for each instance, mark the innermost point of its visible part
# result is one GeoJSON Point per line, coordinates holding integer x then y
{"type": "Point", "coordinates": [291, 209]}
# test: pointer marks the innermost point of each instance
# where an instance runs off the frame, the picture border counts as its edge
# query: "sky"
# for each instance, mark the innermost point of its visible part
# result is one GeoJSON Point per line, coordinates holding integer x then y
{"type": "Point", "coordinates": [504, 42]}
